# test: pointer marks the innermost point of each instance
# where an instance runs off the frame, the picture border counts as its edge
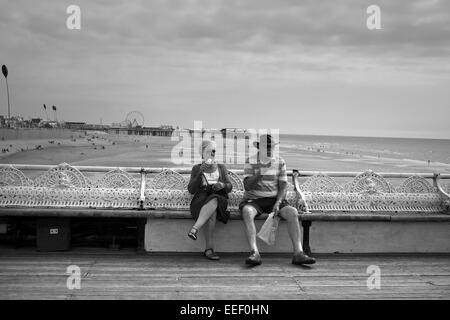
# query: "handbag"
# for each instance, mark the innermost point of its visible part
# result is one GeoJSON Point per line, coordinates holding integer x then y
{"type": "Point", "coordinates": [268, 231]}
{"type": "Point", "coordinates": [209, 187]}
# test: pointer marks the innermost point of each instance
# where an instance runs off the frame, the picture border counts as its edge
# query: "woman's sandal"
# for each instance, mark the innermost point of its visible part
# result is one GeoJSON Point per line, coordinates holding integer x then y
{"type": "Point", "coordinates": [193, 234]}
{"type": "Point", "coordinates": [211, 255]}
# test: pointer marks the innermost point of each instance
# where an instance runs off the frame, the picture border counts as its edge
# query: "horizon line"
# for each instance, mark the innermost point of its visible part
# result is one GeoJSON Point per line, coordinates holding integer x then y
{"type": "Point", "coordinates": [358, 136]}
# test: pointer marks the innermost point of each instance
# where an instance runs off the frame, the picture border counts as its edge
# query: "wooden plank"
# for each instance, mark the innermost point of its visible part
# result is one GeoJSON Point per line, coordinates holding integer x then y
{"type": "Point", "coordinates": [339, 292]}
{"type": "Point", "coordinates": [129, 275]}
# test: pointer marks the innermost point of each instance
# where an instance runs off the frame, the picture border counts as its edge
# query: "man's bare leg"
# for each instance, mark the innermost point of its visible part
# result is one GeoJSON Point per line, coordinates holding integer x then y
{"type": "Point", "coordinates": [248, 214]}
{"type": "Point", "coordinates": [291, 216]}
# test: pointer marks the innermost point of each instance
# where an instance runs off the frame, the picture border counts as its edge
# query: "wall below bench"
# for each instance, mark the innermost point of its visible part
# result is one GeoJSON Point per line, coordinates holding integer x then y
{"type": "Point", "coordinates": [170, 235]}
{"type": "Point", "coordinates": [379, 236]}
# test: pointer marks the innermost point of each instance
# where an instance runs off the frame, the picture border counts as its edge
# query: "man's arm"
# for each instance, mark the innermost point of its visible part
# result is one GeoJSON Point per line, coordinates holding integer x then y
{"type": "Point", "coordinates": [282, 186]}
{"type": "Point", "coordinates": [251, 178]}
{"type": "Point", "coordinates": [251, 181]}
{"type": "Point", "coordinates": [282, 191]}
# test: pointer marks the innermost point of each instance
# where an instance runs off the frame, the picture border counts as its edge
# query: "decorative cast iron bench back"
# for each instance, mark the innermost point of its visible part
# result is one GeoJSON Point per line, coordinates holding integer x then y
{"type": "Point", "coordinates": [65, 186]}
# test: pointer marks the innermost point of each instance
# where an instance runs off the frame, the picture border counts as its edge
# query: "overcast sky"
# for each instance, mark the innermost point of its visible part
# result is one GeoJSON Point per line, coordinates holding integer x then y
{"type": "Point", "coordinates": [308, 67]}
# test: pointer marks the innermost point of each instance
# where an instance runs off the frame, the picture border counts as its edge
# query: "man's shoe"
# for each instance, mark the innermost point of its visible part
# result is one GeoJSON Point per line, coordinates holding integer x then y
{"type": "Point", "coordinates": [302, 258]}
{"type": "Point", "coordinates": [254, 259]}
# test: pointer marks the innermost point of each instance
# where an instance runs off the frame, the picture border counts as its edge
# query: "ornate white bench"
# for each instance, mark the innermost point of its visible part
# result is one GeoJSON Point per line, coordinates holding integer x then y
{"type": "Point", "coordinates": [66, 187]}
{"type": "Point", "coordinates": [65, 190]}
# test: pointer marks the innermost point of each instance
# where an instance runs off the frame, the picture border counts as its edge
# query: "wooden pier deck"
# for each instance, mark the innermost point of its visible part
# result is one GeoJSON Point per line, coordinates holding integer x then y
{"type": "Point", "coordinates": [127, 274]}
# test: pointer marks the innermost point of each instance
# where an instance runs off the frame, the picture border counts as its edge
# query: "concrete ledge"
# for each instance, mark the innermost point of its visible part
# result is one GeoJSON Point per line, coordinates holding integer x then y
{"type": "Point", "coordinates": [184, 214]}
{"type": "Point", "coordinates": [164, 235]}
{"type": "Point", "coordinates": [171, 235]}
{"type": "Point", "coordinates": [380, 237]}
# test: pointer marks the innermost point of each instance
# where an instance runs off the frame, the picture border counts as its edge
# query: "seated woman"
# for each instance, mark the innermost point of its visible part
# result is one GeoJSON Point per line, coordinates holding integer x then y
{"type": "Point", "coordinates": [210, 185]}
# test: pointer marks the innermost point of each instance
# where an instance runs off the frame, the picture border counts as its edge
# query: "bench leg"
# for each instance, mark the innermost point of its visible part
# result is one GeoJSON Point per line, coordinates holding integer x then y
{"type": "Point", "coordinates": [306, 248]}
{"type": "Point", "coordinates": [141, 233]}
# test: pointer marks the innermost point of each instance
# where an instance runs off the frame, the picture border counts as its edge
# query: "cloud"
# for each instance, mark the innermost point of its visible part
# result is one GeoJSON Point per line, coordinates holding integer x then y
{"type": "Point", "coordinates": [177, 52]}
{"type": "Point", "coordinates": [414, 30]}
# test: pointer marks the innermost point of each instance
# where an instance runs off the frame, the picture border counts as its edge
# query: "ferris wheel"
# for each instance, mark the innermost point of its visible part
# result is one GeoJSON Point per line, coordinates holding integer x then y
{"type": "Point", "coordinates": [134, 119]}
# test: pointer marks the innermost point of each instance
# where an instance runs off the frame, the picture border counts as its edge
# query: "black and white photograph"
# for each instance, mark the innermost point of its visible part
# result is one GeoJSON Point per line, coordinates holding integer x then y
{"type": "Point", "coordinates": [225, 155]}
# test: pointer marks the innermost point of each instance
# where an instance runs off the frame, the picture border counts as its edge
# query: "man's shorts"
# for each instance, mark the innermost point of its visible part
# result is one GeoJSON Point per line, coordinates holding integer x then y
{"type": "Point", "coordinates": [262, 205]}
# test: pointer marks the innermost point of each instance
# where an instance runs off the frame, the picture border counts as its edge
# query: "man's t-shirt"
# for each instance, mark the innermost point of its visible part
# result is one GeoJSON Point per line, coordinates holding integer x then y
{"type": "Point", "coordinates": [271, 174]}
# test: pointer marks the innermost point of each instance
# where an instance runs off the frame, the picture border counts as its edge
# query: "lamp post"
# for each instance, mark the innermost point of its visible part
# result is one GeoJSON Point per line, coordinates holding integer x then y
{"type": "Point", "coordinates": [5, 73]}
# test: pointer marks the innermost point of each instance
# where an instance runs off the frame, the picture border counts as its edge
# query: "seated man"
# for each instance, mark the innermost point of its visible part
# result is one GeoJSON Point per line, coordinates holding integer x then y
{"type": "Point", "coordinates": [265, 191]}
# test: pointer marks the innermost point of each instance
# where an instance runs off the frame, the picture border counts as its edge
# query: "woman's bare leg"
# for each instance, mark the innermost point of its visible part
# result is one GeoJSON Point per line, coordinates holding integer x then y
{"type": "Point", "coordinates": [209, 232]}
{"type": "Point", "coordinates": [206, 212]}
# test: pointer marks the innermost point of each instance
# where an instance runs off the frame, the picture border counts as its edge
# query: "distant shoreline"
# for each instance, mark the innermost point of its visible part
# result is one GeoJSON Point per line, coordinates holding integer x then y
{"type": "Point", "coordinates": [104, 149]}
{"type": "Point", "coordinates": [74, 131]}
{"type": "Point", "coordinates": [362, 137]}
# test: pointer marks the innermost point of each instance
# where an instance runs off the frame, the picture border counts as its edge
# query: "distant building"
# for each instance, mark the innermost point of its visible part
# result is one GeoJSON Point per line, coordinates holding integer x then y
{"type": "Point", "coordinates": [162, 131]}
{"type": "Point", "coordinates": [96, 127]}
{"type": "Point", "coordinates": [48, 124]}
{"type": "Point", "coordinates": [74, 125]}
{"type": "Point", "coordinates": [16, 122]}
{"type": "Point", "coordinates": [35, 122]}
{"type": "Point", "coordinates": [234, 133]}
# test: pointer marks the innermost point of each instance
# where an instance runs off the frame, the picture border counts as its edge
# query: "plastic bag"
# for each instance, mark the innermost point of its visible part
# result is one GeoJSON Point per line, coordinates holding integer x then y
{"type": "Point", "coordinates": [269, 229]}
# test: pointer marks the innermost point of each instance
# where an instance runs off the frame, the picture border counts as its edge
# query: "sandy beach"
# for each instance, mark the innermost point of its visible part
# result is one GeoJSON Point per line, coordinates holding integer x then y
{"type": "Point", "coordinates": [147, 151]}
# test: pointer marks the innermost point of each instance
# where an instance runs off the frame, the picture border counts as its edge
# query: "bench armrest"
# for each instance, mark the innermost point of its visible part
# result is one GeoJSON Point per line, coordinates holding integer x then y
{"type": "Point", "coordinates": [299, 192]}
{"type": "Point", "coordinates": [441, 191]}
{"type": "Point", "coordinates": [142, 190]}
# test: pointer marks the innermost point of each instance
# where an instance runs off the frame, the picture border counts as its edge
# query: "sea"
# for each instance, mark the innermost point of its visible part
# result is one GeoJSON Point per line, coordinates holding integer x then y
{"type": "Point", "coordinates": [343, 153]}
{"type": "Point", "coordinates": [435, 150]}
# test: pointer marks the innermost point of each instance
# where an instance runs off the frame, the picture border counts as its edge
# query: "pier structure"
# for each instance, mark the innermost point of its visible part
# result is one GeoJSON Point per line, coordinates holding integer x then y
{"type": "Point", "coordinates": [162, 131]}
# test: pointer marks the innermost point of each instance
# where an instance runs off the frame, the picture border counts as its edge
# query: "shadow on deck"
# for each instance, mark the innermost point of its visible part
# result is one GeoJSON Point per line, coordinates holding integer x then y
{"type": "Point", "coordinates": [127, 274]}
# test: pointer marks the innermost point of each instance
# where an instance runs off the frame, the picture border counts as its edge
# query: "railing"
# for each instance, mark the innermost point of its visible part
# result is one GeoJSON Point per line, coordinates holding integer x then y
{"type": "Point", "coordinates": [186, 170]}
{"type": "Point", "coordinates": [367, 191]}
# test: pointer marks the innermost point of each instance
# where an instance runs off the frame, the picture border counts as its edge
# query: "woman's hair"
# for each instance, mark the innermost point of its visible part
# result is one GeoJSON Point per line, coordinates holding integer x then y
{"type": "Point", "coordinates": [206, 144]}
